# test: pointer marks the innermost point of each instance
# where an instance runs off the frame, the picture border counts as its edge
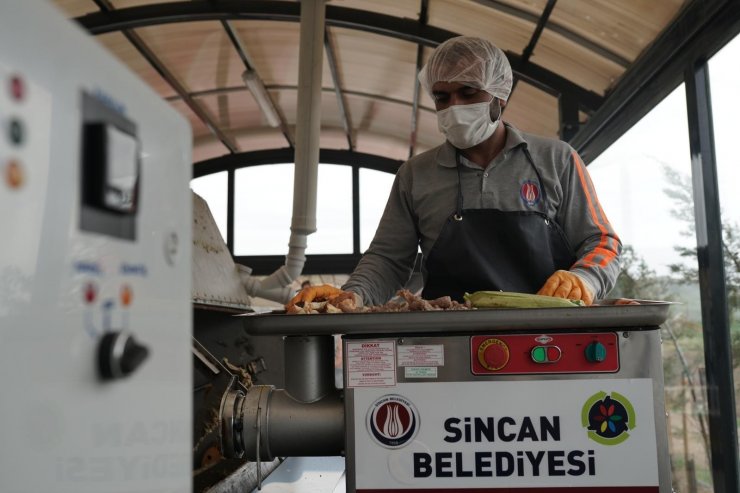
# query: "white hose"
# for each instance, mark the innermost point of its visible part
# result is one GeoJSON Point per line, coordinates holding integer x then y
{"type": "Point", "coordinates": [276, 286]}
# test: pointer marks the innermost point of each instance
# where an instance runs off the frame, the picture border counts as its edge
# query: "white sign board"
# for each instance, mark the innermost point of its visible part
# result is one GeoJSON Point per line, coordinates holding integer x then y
{"type": "Point", "coordinates": [501, 435]}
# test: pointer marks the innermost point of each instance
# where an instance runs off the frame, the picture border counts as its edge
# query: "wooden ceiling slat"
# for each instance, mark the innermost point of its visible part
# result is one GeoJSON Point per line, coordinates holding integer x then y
{"type": "Point", "coordinates": [532, 6]}
{"type": "Point", "coordinates": [575, 63]}
{"type": "Point", "coordinates": [377, 121]}
{"type": "Point", "coordinates": [122, 4]}
{"type": "Point", "coordinates": [273, 48]}
{"type": "Point", "coordinates": [533, 111]}
{"type": "Point", "coordinates": [199, 54]}
{"type": "Point", "coordinates": [403, 8]}
{"type": "Point", "coordinates": [626, 28]}
{"type": "Point", "coordinates": [233, 111]}
{"type": "Point", "coordinates": [196, 124]}
{"type": "Point", "coordinates": [473, 19]}
{"type": "Point", "coordinates": [208, 147]}
{"type": "Point", "coordinates": [121, 48]}
{"type": "Point", "coordinates": [237, 114]}
{"type": "Point", "coordinates": [76, 8]}
{"type": "Point", "coordinates": [386, 65]}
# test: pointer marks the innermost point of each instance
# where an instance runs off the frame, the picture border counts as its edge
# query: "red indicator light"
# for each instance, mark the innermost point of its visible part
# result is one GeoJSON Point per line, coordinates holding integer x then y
{"type": "Point", "coordinates": [91, 292]}
{"type": "Point", "coordinates": [17, 88]}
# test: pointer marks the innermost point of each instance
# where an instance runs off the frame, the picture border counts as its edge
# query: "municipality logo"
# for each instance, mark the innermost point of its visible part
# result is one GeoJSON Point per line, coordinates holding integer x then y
{"type": "Point", "coordinates": [608, 418]}
{"type": "Point", "coordinates": [392, 421]}
{"type": "Point", "coordinates": [530, 193]}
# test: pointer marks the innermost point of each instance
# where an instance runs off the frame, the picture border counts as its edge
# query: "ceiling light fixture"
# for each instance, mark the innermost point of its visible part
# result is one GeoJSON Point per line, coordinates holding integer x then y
{"type": "Point", "coordinates": [257, 88]}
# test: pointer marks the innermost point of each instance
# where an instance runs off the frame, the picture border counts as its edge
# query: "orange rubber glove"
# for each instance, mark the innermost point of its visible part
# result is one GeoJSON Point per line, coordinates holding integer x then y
{"type": "Point", "coordinates": [325, 292]}
{"type": "Point", "coordinates": [564, 284]}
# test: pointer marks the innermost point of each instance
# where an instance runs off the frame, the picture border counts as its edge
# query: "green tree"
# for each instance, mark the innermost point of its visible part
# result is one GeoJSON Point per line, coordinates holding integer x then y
{"type": "Point", "coordinates": [637, 280]}
{"type": "Point", "coordinates": [680, 190]}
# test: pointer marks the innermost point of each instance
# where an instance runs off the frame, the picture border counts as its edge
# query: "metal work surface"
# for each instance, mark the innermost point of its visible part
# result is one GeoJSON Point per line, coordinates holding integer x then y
{"type": "Point", "coordinates": [649, 313]}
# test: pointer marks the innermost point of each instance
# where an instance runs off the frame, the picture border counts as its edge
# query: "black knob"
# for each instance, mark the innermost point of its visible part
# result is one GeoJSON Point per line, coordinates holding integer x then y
{"type": "Point", "coordinates": [119, 355]}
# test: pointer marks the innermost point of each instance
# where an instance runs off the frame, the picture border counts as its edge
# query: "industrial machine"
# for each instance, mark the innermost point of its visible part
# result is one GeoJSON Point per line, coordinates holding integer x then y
{"type": "Point", "coordinates": [95, 313]}
{"type": "Point", "coordinates": [486, 400]}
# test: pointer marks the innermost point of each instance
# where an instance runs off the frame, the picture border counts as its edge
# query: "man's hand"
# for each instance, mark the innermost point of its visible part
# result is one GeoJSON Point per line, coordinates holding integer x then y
{"type": "Point", "coordinates": [564, 284]}
{"type": "Point", "coordinates": [325, 292]}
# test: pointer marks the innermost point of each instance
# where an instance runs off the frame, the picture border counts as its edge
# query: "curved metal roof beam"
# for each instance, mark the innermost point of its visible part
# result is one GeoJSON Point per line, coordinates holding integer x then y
{"type": "Point", "coordinates": [286, 155]}
{"type": "Point", "coordinates": [386, 25]}
{"type": "Point", "coordinates": [283, 87]}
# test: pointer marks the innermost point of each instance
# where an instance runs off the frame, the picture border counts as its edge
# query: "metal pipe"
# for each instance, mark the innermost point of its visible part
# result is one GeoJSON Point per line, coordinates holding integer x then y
{"type": "Point", "coordinates": [310, 69]}
{"type": "Point", "coordinates": [305, 181]}
{"type": "Point", "coordinates": [309, 367]}
{"type": "Point", "coordinates": [273, 424]}
{"type": "Point", "coordinates": [304, 419]}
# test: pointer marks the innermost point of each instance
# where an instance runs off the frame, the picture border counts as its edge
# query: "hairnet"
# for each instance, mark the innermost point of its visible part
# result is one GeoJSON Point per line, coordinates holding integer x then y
{"type": "Point", "coordinates": [475, 62]}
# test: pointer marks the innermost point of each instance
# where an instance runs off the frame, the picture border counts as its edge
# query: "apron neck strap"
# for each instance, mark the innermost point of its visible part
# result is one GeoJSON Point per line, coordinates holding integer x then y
{"type": "Point", "coordinates": [458, 160]}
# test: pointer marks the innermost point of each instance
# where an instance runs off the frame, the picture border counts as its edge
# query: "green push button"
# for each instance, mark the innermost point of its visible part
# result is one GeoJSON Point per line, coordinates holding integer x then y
{"type": "Point", "coordinates": [595, 352]}
{"type": "Point", "coordinates": [539, 354]}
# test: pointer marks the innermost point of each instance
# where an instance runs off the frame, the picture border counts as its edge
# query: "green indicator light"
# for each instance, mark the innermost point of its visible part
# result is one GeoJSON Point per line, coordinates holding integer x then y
{"type": "Point", "coordinates": [539, 354]}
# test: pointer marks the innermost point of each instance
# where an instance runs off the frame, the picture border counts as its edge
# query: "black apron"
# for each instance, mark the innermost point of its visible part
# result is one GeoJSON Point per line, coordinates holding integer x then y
{"type": "Point", "coordinates": [492, 250]}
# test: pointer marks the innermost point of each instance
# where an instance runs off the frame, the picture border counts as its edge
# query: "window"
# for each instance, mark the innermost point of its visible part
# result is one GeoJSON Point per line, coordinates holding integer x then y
{"type": "Point", "coordinates": [264, 206]}
{"type": "Point", "coordinates": [375, 186]}
{"type": "Point", "coordinates": [724, 77]}
{"type": "Point", "coordinates": [644, 185]}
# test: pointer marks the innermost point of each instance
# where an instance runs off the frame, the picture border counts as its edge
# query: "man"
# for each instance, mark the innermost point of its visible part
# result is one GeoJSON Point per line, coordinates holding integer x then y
{"type": "Point", "coordinates": [493, 208]}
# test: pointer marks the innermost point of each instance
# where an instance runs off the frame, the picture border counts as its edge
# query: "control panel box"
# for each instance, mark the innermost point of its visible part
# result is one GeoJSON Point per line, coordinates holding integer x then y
{"type": "Point", "coordinates": [530, 354]}
{"type": "Point", "coordinates": [538, 411]}
{"type": "Point", "coordinates": [95, 315]}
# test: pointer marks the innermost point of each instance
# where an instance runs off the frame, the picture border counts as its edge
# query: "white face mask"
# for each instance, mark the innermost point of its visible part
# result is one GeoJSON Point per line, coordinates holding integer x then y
{"type": "Point", "coordinates": [467, 125]}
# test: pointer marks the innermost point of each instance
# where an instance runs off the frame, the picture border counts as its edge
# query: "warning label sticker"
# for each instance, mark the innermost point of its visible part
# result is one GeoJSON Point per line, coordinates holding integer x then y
{"type": "Point", "coordinates": [421, 355]}
{"type": "Point", "coordinates": [371, 364]}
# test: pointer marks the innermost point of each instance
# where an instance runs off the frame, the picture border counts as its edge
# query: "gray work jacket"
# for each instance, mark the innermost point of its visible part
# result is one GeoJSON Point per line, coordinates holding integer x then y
{"type": "Point", "coordinates": [424, 195]}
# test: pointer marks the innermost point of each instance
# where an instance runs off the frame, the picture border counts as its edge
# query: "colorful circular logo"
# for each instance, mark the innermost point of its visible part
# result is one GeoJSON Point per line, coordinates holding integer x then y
{"type": "Point", "coordinates": [530, 193]}
{"type": "Point", "coordinates": [608, 418]}
{"type": "Point", "coordinates": [392, 421]}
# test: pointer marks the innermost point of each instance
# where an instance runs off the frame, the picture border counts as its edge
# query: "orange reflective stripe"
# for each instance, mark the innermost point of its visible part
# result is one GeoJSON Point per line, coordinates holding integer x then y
{"type": "Point", "coordinates": [607, 254]}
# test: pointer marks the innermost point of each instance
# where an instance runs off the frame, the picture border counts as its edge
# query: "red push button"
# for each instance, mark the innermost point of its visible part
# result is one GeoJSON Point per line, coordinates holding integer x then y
{"type": "Point", "coordinates": [493, 354]}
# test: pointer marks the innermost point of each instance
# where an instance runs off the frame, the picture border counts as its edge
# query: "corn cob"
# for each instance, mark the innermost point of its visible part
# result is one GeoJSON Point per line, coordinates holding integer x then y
{"type": "Point", "coordinates": [503, 299]}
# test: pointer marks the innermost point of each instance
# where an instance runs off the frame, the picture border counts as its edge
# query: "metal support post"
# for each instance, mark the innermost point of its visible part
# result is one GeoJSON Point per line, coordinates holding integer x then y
{"type": "Point", "coordinates": [714, 310]}
{"type": "Point", "coordinates": [568, 117]}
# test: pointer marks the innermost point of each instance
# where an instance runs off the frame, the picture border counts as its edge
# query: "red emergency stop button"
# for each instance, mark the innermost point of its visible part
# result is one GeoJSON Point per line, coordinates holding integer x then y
{"type": "Point", "coordinates": [493, 354]}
